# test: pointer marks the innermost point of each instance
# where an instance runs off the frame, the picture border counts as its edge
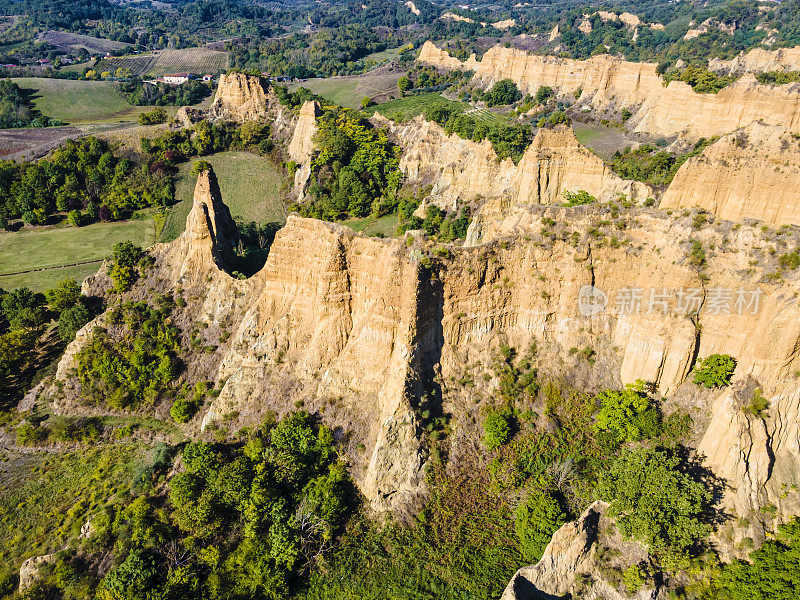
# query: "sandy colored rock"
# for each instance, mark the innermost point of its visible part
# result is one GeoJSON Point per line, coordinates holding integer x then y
{"type": "Point", "coordinates": [301, 146]}
{"type": "Point", "coordinates": [239, 97]}
{"type": "Point", "coordinates": [751, 173]}
{"type": "Point", "coordinates": [611, 83]}
{"type": "Point", "coordinates": [569, 565]}
{"type": "Point", "coordinates": [463, 171]}
{"type": "Point", "coordinates": [759, 60]}
{"type": "Point", "coordinates": [29, 571]}
{"type": "Point", "coordinates": [209, 236]}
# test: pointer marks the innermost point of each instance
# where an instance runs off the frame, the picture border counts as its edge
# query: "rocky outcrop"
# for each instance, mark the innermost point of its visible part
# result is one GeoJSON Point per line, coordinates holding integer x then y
{"type": "Point", "coordinates": [757, 455]}
{"type": "Point", "coordinates": [361, 329]}
{"type": "Point", "coordinates": [752, 173]}
{"type": "Point", "coordinates": [210, 233]}
{"type": "Point", "coordinates": [461, 170]}
{"type": "Point", "coordinates": [570, 568]}
{"type": "Point", "coordinates": [239, 97]}
{"type": "Point", "coordinates": [759, 60]}
{"type": "Point", "coordinates": [301, 146]}
{"type": "Point", "coordinates": [29, 571]}
{"type": "Point", "coordinates": [608, 83]}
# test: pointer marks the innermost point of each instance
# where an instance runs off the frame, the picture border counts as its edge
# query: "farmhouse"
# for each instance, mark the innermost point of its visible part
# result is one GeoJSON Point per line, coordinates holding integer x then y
{"type": "Point", "coordinates": [176, 78]}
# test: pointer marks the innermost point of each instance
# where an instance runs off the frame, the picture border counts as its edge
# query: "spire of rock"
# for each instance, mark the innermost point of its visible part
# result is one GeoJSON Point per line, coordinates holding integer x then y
{"type": "Point", "coordinates": [210, 230]}
{"type": "Point", "coordinates": [239, 97]}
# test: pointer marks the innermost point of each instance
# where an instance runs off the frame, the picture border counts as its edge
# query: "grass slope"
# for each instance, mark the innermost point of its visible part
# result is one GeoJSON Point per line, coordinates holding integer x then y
{"type": "Point", "coordinates": [250, 186]}
{"type": "Point", "coordinates": [80, 101]}
{"type": "Point", "coordinates": [405, 109]}
{"type": "Point", "coordinates": [24, 250]}
{"type": "Point", "coordinates": [45, 499]}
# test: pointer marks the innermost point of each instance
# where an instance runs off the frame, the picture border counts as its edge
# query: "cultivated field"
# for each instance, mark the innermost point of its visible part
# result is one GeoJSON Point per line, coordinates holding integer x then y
{"type": "Point", "coordinates": [405, 109]}
{"type": "Point", "coordinates": [75, 41]}
{"type": "Point", "coordinates": [137, 65]}
{"type": "Point", "coordinates": [250, 186]}
{"type": "Point", "coordinates": [51, 249]}
{"type": "Point", "coordinates": [191, 60]}
{"type": "Point", "coordinates": [348, 91]}
{"type": "Point", "coordinates": [80, 101]}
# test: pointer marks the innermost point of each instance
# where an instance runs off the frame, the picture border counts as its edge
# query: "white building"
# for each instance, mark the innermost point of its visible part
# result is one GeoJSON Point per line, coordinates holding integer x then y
{"type": "Point", "coordinates": [176, 78]}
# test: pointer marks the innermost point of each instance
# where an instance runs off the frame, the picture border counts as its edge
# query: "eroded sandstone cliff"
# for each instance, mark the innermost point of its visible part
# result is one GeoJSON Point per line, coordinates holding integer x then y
{"type": "Point", "coordinates": [239, 97]}
{"type": "Point", "coordinates": [751, 173]}
{"type": "Point", "coordinates": [759, 60]}
{"type": "Point", "coordinates": [301, 146]}
{"type": "Point", "coordinates": [361, 329]}
{"type": "Point", "coordinates": [461, 170]}
{"type": "Point", "coordinates": [606, 83]}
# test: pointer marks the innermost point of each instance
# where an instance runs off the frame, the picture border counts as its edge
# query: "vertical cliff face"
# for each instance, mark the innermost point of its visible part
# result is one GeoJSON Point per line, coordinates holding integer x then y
{"type": "Point", "coordinates": [360, 329]}
{"type": "Point", "coordinates": [751, 173]}
{"type": "Point", "coordinates": [209, 236]}
{"type": "Point", "coordinates": [462, 170]}
{"type": "Point", "coordinates": [556, 162]}
{"type": "Point", "coordinates": [301, 146]}
{"type": "Point", "coordinates": [239, 97]}
{"type": "Point", "coordinates": [607, 82]}
{"type": "Point", "coordinates": [759, 60]}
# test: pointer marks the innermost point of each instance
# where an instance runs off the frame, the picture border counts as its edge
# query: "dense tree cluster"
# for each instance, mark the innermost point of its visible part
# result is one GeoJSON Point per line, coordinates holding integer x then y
{"type": "Point", "coordinates": [132, 360]}
{"type": "Point", "coordinates": [238, 521]}
{"type": "Point", "coordinates": [24, 317]}
{"type": "Point", "coordinates": [84, 175]}
{"type": "Point", "coordinates": [355, 169]}
{"type": "Point", "coordinates": [140, 93]}
{"type": "Point", "coordinates": [650, 164]}
{"type": "Point", "coordinates": [18, 110]}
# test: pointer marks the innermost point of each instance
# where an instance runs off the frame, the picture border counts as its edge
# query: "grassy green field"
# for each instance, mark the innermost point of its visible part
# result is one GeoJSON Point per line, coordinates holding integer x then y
{"type": "Point", "coordinates": [383, 227]}
{"type": "Point", "coordinates": [45, 499]}
{"type": "Point", "coordinates": [385, 55]}
{"type": "Point", "coordinates": [339, 90]}
{"type": "Point", "coordinates": [78, 102]}
{"type": "Point", "coordinates": [250, 186]}
{"type": "Point", "coordinates": [24, 250]}
{"type": "Point", "coordinates": [405, 109]}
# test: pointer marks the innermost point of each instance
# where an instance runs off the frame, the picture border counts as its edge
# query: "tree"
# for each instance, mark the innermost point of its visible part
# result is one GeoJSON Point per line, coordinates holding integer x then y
{"type": "Point", "coordinates": [497, 428]}
{"type": "Point", "coordinates": [71, 320]}
{"type": "Point", "coordinates": [65, 295]}
{"type": "Point", "coordinates": [126, 259]}
{"type": "Point", "coordinates": [74, 217]}
{"type": "Point", "coordinates": [132, 578]}
{"type": "Point", "coordinates": [628, 414]}
{"type": "Point", "coordinates": [654, 500]}
{"type": "Point", "coordinates": [404, 84]}
{"type": "Point", "coordinates": [504, 91]}
{"type": "Point", "coordinates": [536, 521]}
{"type": "Point", "coordinates": [24, 309]}
{"type": "Point", "coordinates": [715, 371]}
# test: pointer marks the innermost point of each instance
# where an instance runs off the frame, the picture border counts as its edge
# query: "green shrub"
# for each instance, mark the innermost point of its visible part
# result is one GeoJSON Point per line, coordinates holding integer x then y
{"type": "Point", "coordinates": [536, 521]}
{"type": "Point", "coordinates": [654, 500]}
{"type": "Point", "coordinates": [497, 428]}
{"type": "Point", "coordinates": [758, 404]}
{"type": "Point", "coordinates": [578, 198]}
{"type": "Point", "coordinates": [127, 262]}
{"type": "Point", "coordinates": [714, 371]}
{"type": "Point", "coordinates": [627, 414]}
{"type": "Point", "coordinates": [504, 91]}
{"type": "Point", "coordinates": [71, 320]}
